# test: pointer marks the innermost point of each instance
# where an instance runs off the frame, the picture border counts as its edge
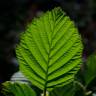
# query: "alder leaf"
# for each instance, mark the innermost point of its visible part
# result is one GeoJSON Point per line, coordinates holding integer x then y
{"type": "Point", "coordinates": [50, 50]}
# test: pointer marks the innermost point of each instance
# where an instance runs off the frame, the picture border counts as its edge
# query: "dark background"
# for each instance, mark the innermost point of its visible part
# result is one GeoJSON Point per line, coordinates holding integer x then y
{"type": "Point", "coordinates": [15, 14]}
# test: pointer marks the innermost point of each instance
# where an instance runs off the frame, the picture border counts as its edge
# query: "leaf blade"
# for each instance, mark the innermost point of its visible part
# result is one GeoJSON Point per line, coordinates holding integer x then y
{"type": "Point", "coordinates": [50, 43]}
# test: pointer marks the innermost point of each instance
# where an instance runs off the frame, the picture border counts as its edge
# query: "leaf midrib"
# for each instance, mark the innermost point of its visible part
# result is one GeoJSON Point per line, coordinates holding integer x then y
{"type": "Point", "coordinates": [50, 49]}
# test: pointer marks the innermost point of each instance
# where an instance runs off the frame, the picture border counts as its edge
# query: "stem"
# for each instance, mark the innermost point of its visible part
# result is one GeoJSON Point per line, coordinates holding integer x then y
{"type": "Point", "coordinates": [83, 88]}
{"type": "Point", "coordinates": [88, 93]}
{"type": "Point", "coordinates": [45, 94]}
{"type": "Point", "coordinates": [81, 85]}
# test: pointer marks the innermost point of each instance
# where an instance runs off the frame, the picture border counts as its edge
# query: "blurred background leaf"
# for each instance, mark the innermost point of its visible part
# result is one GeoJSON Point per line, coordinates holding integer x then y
{"type": "Point", "coordinates": [90, 72]}
{"type": "Point", "coordinates": [17, 89]}
{"type": "Point", "coordinates": [68, 90]}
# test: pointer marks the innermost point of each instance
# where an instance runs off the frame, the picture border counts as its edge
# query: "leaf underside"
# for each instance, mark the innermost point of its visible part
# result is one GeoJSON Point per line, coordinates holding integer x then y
{"type": "Point", "coordinates": [50, 50]}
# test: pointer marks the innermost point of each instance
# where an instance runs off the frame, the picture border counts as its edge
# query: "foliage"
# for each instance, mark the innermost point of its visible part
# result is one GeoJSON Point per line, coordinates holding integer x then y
{"type": "Point", "coordinates": [17, 89]}
{"type": "Point", "coordinates": [90, 73]}
{"type": "Point", "coordinates": [67, 90]}
{"type": "Point", "coordinates": [49, 54]}
{"type": "Point", "coordinates": [50, 50]}
{"type": "Point", "coordinates": [77, 88]}
{"type": "Point", "coordinates": [87, 77]}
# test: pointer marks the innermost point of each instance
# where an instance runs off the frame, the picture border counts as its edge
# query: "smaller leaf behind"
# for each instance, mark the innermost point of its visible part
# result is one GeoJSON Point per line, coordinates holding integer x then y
{"type": "Point", "coordinates": [67, 90]}
{"type": "Point", "coordinates": [17, 89]}
{"type": "Point", "coordinates": [90, 73]}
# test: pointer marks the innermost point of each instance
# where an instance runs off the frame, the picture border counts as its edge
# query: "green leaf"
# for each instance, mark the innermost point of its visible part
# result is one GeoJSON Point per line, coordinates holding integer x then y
{"type": "Point", "coordinates": [67, 90]}
{"type": "Point", "coordinates": [90, 73]}
{"type": "Point", "coordinates": [50, 50]}
{"type": "Point", "coordinates": [17, 89]}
